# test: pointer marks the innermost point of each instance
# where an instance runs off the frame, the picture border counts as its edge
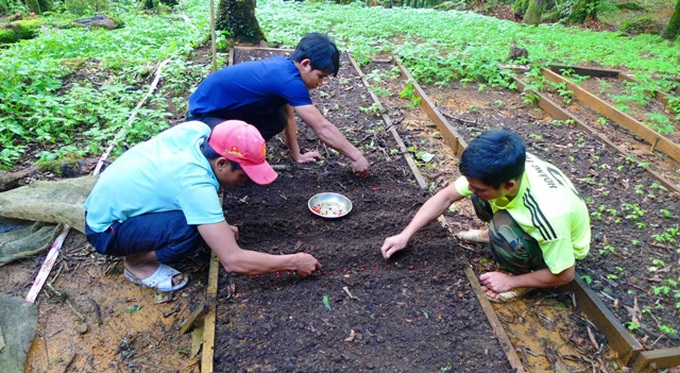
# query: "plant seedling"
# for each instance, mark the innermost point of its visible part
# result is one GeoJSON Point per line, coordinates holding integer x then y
{"type": "Point", "coordinates": [327, 302]}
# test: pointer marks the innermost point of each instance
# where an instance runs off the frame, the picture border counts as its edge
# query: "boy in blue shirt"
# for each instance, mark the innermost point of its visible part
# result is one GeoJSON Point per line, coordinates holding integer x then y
{"type": "Point", "coordinates": [267, 94]}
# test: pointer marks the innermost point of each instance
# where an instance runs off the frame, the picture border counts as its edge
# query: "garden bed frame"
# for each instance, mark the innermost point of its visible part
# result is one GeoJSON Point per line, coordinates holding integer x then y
{"type": "Point", "coordinates": [626, 345]}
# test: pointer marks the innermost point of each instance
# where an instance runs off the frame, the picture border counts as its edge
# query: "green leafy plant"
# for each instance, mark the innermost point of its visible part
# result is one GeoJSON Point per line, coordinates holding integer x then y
{"type": "Point", "coordinates": [660, 123]}
{"type": "Point", "coordinates": [408, 93]}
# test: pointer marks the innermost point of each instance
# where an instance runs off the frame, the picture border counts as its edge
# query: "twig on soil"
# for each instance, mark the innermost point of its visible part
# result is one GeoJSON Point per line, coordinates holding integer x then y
{"type": "Point", "coordinates": [328, 152]}
{"type": "Point", "coordinates": [97, 311]}
{"type": "Point", "coordinates": [115, 365]}
{"type": "Point", "coordinates": [193, 317]}
{"type": "Point", "coordinates": [468, 248]}
{"type": "Point", "coordinates": [68, 303]}
{"type": "Point", "coordinates": [592, 339]}
{"type": "Point", "coordinates": [661, 246]}
{"type": "Point", "coordinates": [458, 119]}
{"type": "Point", "coordinates": [56, 275]}
{"type": "Point", "coordinates": [636, 286]}
{"type": "Point", "coordinates": [68, 364]}
{"type": "Point", "coordinates": [656, 340]}
{"type": "Point", "coordinates": [349, 294]}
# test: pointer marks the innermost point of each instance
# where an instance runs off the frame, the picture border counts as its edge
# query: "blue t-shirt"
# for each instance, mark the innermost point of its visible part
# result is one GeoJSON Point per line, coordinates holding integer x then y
{"type": "Point", "coordinates": [166, 173]}
{"type": "Point", "coordinates": [249, 87]}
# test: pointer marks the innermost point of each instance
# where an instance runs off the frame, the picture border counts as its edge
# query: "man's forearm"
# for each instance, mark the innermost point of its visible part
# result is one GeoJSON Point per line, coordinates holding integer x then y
{"type": "Point", "coordinates": [290, 135]}
{"type": "Point", "coordinates": [332, 137]}
{"type": "Point", "coordinates": [432, 209]}
{"type": "Point", "coordinates": [543, 278]}
{"type": "Point", "coordinates": [248, 262]}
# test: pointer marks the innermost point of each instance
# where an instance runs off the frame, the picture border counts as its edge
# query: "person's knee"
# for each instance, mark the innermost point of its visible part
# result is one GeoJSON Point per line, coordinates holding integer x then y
{"type": "Point", "coordinates": [514, 250]}
{"type": "Point", "coordinates": [185, 244]}
{"type": "Point", "coordinates": [482, 209]}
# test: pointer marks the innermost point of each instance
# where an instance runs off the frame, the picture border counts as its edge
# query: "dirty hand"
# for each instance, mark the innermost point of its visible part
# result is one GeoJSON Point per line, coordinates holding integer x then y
{"type": "Point", "coordinates": [393, 244]}
{"type": "Point", "coordinates": [360, 166]}
{"type": "Point", "coordinates": [308, 157]}
{"type": "Point", "coordinates": [496, 282]}
{"type": "Point", "coordinates": [306, 264]}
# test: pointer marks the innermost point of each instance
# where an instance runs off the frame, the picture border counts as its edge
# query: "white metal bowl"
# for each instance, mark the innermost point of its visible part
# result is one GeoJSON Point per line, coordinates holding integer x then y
{"type": "Point", "coordinates": [329, 205]}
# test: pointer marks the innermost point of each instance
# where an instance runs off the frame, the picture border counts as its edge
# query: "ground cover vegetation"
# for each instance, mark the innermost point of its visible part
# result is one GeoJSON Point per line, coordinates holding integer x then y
{"type": "Point", "coordinates": [46, 105]}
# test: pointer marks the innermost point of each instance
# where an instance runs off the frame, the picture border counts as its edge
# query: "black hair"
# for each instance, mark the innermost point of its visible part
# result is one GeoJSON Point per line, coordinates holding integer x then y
{"type": "Point", "coordinates": [495, 157]}
{"type": "Point", "coordinates": [211, 154]}
{"type": "Point", "coordinates": [208, 151]}
{"type": "Point", "coordinates": [321, 52]}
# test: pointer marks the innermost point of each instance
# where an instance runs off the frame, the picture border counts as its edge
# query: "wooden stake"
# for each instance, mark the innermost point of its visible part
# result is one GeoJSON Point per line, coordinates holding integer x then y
{"type": "Point", "coordinates": [193, 317]}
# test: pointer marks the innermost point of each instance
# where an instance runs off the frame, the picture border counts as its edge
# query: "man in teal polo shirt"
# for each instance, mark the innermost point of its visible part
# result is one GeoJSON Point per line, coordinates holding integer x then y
{"type": "Point", "coordinates": [158, 201]}
{"type": "Point", "coordinates": [539, 225]}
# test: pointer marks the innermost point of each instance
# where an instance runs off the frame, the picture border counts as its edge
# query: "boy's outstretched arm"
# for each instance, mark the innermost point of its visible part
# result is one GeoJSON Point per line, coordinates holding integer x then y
{"type": "Point", "coordinates": [332, 137]}
{"type": "Point", "coordinates": [431, 210]}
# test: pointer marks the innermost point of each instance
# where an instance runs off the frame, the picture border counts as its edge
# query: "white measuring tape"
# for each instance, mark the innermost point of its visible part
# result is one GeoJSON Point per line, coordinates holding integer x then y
{"type": "Point", "coordinates": [51, 258]}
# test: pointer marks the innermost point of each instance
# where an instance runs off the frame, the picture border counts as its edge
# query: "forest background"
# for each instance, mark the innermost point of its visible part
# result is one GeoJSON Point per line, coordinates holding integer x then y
{"type": "Point", "coordinates": [47, 113]}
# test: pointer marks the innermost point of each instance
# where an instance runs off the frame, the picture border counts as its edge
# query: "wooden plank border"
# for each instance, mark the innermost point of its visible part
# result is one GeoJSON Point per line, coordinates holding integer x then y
{"type": "Point", "coordinates": [655, 140]}
{"type": "Point", "coordinates": [452, 137]}
{"type": "Point", "coordinates": [592, 306]}
{"type": "Point", "coordinates": [557, 112]}
{"type": "Point", "coordinates": [626, 345]}
{"type": "Point", "coordinates": [652, 361]}
{"type": "Point", "coordinates": [388, 121]}
{"type": "Point", "coordinates": [496, 325]}
{"type": "Point", "coordinates": [660, 96]}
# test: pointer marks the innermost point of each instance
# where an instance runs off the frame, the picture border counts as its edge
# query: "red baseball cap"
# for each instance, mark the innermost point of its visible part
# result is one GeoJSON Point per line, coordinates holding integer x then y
{"type": "Point", "coordinates": [242, 143]}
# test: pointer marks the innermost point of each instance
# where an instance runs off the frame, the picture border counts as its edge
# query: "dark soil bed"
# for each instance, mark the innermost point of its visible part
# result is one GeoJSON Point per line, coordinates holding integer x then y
{"type": "Point", "coordinates": [416, 312]}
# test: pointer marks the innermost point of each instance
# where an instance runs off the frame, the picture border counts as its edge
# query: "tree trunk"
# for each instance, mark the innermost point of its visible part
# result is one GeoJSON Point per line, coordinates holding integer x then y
{"type": "Point", "coordinates": [237, 17]}
{"type": "Point", "coordinates": [533, 13]}
{"type": "Point", "coordinates": [673, 28]}
{"type": "Point", "coordinates": [519, 8]}
{"type": "Point", "coordinates": [583, 10]}
{"type": "Point", "coordinates": [33, 6]}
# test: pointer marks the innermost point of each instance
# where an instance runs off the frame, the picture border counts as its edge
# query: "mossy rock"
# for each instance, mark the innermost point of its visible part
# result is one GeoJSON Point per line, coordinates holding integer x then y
{"type": "Point", "coordinates": [17, 30]}
{"type": "Point", "coordinates": [74, 63]}
{"type": "Point", "coordinates": [8, 36]}
{"type": "Point", "coordinates": [99, 21]}
{"type": "Point", "coordinates": [642, 25]}
{"type": "Point", "coordinates": [630, 6]}
{"type": "Point", "coordinates": [64, 167]}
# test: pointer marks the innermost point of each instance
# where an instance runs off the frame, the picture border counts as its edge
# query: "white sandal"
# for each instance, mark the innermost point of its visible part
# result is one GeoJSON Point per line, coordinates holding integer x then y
{"type": "Point", "coordinates": [161, 280]}
{"type": "Point", "coordinates": [473, 235]}
{"type": "Point", "coordinates": [509, 296]}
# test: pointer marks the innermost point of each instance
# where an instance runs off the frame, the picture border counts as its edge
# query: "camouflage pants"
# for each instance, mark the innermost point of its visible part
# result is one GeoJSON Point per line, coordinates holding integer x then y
{"type": "Point", "coordinates": [513, 249]}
